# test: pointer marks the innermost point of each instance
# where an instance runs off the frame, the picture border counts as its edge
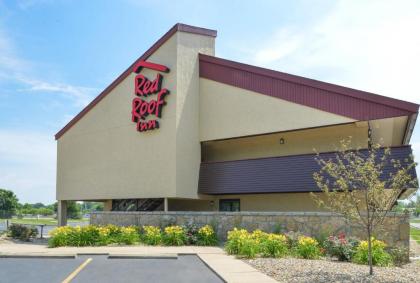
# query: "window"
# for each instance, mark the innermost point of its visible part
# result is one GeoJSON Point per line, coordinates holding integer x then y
{"type": "Point", "coordinates": [229, 205]}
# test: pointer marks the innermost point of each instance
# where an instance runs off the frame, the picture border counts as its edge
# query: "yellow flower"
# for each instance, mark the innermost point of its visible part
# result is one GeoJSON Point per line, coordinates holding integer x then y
{"type": "Point", "coordinates": [307, 241]}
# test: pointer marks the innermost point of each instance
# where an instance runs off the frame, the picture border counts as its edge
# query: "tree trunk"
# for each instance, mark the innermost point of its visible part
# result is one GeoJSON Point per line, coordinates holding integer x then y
{"type": "Point", "coordinates": [370, 252]}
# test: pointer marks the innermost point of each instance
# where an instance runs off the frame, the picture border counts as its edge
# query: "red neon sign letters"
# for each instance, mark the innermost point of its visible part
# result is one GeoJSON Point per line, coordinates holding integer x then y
{"type": "Point", "coordinates": [143, 87]}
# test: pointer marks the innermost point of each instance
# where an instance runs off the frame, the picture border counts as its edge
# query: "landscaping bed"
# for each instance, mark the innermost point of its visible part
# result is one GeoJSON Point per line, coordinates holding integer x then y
{"type": "Point", "coordinates": [323, 270]}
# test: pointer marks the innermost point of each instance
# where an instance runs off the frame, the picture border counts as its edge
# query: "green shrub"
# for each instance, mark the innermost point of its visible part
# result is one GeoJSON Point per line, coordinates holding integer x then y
{"type": "Point", "coordinates": [152, 235]}
{"type": "Point", "coordinates": [292, 239]}
{"type": "Point", "coordinates": [249, 247]}
{"type": "Point", "coordinates": [244, 244]}
{"type": "Point", "coordinates": [22, 232]}
{"type": "Point", "coordinates": [308, 248]}
{"type": "Point", "coordinates": [399, 255]}
{"type": "Point", "coordinates": [274, 245]}
{"type": "Point", "coordinates": [129, 235]}
{"type": "Point", "coordinates": [92, 235]}
{"type": "Point", "coordinates": [340, 247]}
{"type": "Point", "coordinates": [234, 239]}
{"type": "Point", "coordinates": [191, 232]}
{"type": "Point", "coordinates": [206, 236]}
{"type": "Point", "coordinates": [174, 236]}
{"type": "Point", "coordinates": [379, 256]}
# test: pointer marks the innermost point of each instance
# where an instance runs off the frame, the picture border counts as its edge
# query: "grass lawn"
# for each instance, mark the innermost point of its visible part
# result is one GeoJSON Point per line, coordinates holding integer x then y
{"type": "Point", "coordinates": [45, 221]}
{"type": "Point", "coordinates": [415, 221]}
{"type": "Point", "coordinates": [415, 234]}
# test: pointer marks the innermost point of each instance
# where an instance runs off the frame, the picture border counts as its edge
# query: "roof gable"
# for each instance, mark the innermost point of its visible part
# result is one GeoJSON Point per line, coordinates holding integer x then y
{"type": "Point", "coordinates": [147, 54]}
{"type": "Point", "coordinates": [355, 104]}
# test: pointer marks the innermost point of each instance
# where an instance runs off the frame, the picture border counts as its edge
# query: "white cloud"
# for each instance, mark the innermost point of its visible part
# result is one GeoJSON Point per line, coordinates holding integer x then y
{"type": "Point", "coordinates": [15, 69]}
{"type": "Point", "coordinates": [370, 45]}
{"type": "Point", "coordinates": [80, 95]}
{"type": "Point", "coordinates": [27, 165]}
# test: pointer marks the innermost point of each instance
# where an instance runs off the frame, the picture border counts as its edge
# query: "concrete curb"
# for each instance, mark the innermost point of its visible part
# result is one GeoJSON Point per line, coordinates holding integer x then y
{"type": "Point", "coordinates": [143, 256]}
{"type": "Point", "coordinates": [36, 256]}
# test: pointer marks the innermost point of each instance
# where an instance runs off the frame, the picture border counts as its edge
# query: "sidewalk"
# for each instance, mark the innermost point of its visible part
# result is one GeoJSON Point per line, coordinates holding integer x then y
{"type": "Point", "coordinates": [226, 266]}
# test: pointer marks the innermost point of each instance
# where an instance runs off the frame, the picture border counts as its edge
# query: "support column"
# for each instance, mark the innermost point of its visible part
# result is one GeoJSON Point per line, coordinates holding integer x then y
{"type": "Point", "coordinates": [62, 213]}
{"type": "Point", "coordinates": [165, 204]}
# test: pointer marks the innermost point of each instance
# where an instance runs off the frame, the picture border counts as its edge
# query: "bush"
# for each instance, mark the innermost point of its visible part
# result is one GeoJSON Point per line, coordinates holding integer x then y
{"type": "Point", "coordinates": [399, 255]}
{"type": "Point", "coordinates": [152, 235]}
{"type": "Point", "coordinates": [234, 239]}
{"type": "Point", "coordinates": [379, 256]}
{"type": "Point", "coordinates": [292, 239]}
{"type": "Point", "coordinates": [274, 245]}
{"type": "Point", "coordinates": [22, 232]}
{"type": "Point", "coordinates": [174, 236]}
{"type": "Point", "coordinates": [92, 235]}
{"type": "Point", "coordinates": [308, 248]}
{"type": "Point", "coordinates": [245, 244]}
{"type": "Point", "coordinates": [129, 235]}
{"type": "Point", "coordinates": [340, 247]}
{"type": "Point", "coordinates": [191, 233]}
{"type": "Point", "coordinates": [206, 236]}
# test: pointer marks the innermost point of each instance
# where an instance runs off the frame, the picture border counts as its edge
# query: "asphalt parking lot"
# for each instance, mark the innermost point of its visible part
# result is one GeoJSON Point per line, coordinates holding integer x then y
{"type": "Point", "coordinates": [100, 268]}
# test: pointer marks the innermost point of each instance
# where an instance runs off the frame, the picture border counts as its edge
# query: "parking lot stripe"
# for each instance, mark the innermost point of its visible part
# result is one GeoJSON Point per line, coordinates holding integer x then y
{"type": "Point", "coordinates": [76, 271]}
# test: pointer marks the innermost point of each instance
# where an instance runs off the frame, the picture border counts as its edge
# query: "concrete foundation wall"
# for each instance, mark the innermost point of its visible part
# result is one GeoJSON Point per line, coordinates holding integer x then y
{"type": "Point", "coordinates": [308, 223]}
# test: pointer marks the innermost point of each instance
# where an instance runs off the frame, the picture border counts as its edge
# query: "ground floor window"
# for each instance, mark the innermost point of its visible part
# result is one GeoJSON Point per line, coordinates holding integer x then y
{"type": "Point", "coordinates": [229, 205]}
{"type": "Point", "coordinates": [149, 204]}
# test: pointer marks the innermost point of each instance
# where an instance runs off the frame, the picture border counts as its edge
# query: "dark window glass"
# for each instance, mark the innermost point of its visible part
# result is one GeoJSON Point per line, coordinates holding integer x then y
{"type": "Point", "coordinates": [137, 204]}
{"type": "Point", "coordinates": [229, 205]}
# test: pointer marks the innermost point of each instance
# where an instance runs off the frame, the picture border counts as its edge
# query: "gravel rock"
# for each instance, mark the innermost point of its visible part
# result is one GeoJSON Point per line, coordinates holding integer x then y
{"type": "Point", "coordinates": [301, 270]}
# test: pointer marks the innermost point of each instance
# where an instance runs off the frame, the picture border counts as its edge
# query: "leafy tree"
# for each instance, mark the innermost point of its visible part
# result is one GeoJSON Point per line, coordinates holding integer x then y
{"type": "Point", "coordinates": [8, 203]}
{"type": "Point", "coordinates": [38, 205]}
{"type": "Point", "coordinates": [354, 185]}
{"type": "Point", "coordinates": [73, 209]}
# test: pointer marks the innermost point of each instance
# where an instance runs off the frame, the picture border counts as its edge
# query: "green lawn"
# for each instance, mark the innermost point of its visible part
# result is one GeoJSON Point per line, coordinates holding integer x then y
{"type": "Point", "coordinates": [415, 234]}
{"type": "Point", "coordinates": [45, 221]}
{"type": "Point", "coordinates": [415, 221]}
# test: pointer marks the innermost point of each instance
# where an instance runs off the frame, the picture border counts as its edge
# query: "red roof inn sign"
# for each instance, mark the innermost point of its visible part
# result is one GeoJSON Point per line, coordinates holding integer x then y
{"type": "Point", "coordinates": [143, 88]}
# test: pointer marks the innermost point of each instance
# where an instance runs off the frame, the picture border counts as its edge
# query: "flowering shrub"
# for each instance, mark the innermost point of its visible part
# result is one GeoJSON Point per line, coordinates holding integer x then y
{"type": "Point", "coordinates": [340, 247]}
{"type": "Point", "coordinates": [191, 232]}
{"type": "Point", "coordinates": [174, 236]}
{"type": "Point", "coordinates": [242, 243]}
{"type": "Point", "coordinates": [92, 235]}
{"type": "Point", "coordinates": [308, 248]}
{"type": "Point", "coordinates": [234, 240]}
{"type": "Point", "coordinates": [379, 256]}
{"type": "Point", "coordinates": [274, 245]}
{"type": "Point", "coordinates": [152, 235]}
{"type": "Point", "coordinates": [206, 236]}
{"type": "Point", "coordinates": [129, 235]}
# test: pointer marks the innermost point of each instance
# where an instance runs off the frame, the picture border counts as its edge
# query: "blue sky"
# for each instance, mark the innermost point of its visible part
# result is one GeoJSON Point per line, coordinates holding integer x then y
{"type": "Point", "coordinates": [56, 56]}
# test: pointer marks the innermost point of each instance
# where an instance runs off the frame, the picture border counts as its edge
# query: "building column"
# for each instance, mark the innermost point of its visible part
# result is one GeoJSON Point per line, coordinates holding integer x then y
{"type": "Point", "coordinates": [165, 204]}
{"type": "Point", "coordinates": [62, 213]}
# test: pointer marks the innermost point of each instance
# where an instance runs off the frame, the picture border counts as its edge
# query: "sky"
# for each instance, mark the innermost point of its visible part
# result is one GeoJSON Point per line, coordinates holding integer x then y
{"type": "Point", "coordinates": [56, 56]}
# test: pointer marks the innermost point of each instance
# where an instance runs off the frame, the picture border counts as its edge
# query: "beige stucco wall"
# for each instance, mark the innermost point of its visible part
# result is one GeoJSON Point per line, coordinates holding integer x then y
{"type": "Point", "coordinates": [227, 111]}
{"type": "Point", "coordinates": [295, 142]}
{"type": "Point", "coordinates": [390, 131]}
{"type": "Point", "coordinates": [250, 202]}
{"type": "Point", "coordinates": [275, 202]}
{"type": "Point", "coordinates": [103, 156]}
{"type": "Point", "coordinates": [188, 150]}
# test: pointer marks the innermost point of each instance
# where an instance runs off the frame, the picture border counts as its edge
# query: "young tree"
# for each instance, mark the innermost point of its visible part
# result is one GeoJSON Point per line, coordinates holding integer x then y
{"type": "Point", "coordinates": [8, 203]}
{"type": "Point", "coordinates": [355, 185]}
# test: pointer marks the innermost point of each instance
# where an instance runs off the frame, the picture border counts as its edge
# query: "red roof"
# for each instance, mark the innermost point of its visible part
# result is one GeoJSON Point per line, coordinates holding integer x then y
{"type": "Point", "coordinates": [352, 103]}
{"type": "Point", "coordinates": [348, 102]}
